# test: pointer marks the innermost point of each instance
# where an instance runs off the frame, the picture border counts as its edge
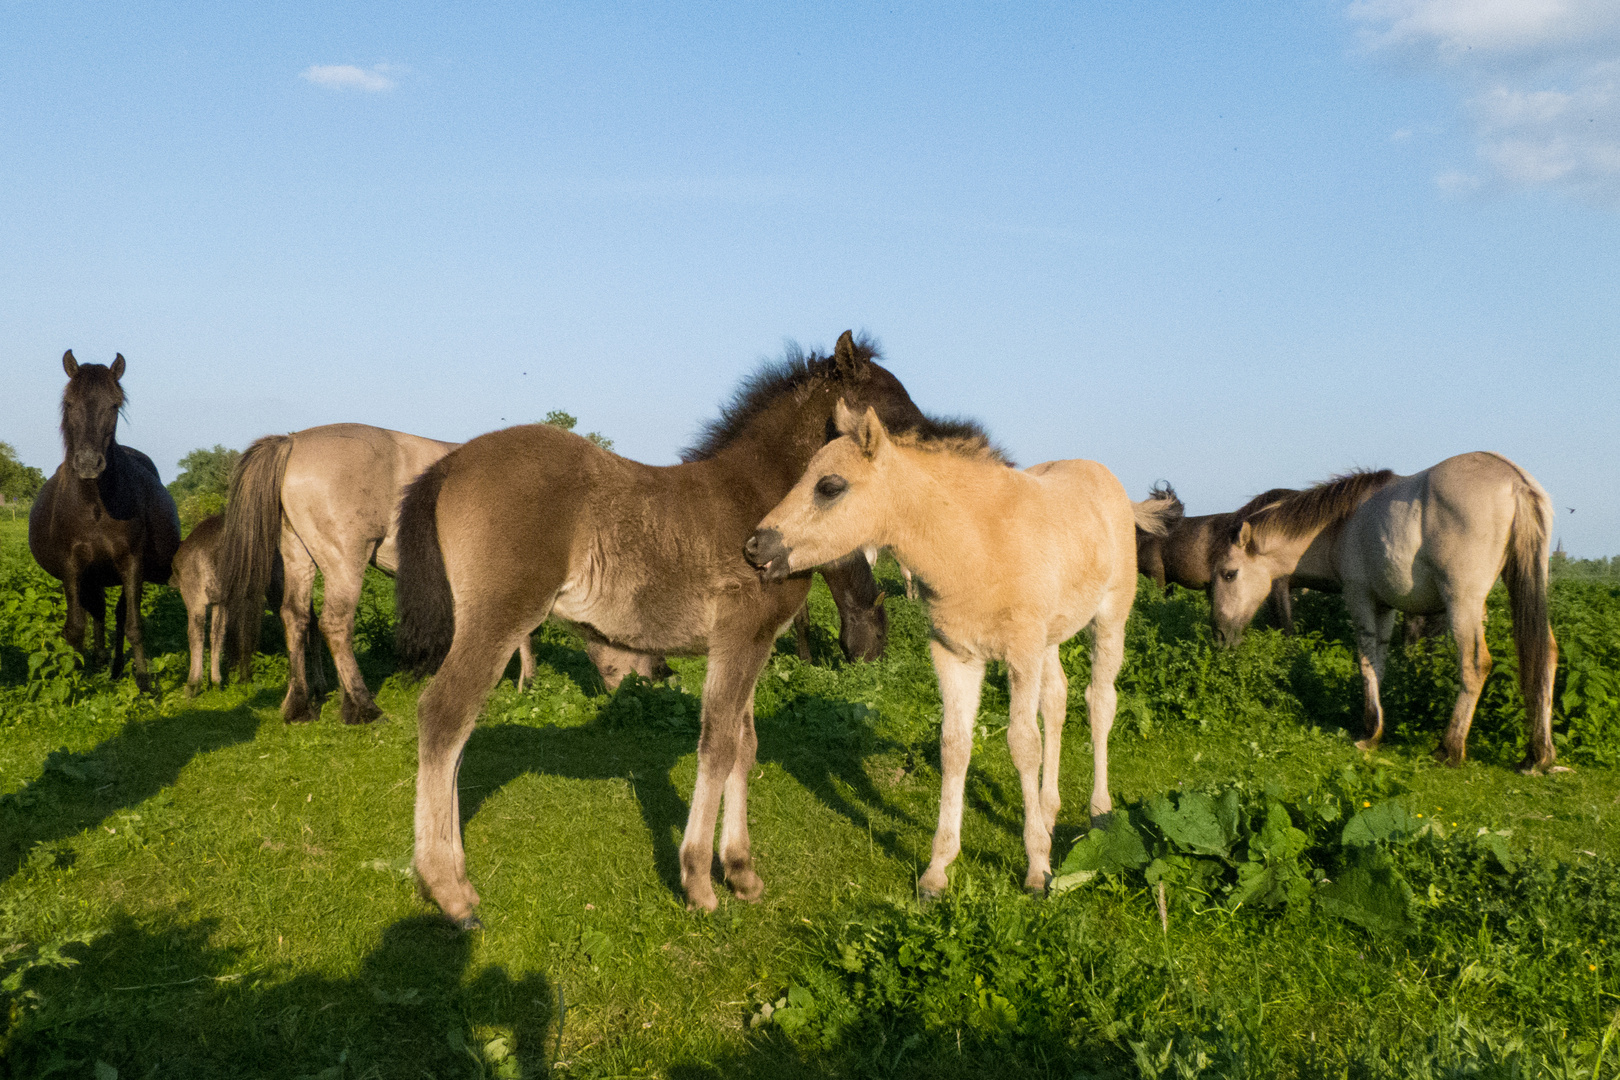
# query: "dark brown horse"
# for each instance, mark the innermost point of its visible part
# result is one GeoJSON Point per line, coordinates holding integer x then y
{"type": "Point", "coordinates": [1186, 555]}
{"type": "Point", "coordinates": [521, 524]}
{"type": "Point", "coordinates": [104, 518]}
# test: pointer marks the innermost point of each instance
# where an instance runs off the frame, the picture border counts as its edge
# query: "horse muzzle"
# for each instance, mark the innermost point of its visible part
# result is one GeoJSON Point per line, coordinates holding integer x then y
{"type": "Point", "coordinates": [766, 553]}
{"type": "Point", "coordinates": [88, 464]}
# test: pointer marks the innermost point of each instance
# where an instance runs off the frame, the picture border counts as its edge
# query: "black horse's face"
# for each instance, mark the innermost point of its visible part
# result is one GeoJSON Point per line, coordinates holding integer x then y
{"type": "Point", "coordinates": [90, 406]}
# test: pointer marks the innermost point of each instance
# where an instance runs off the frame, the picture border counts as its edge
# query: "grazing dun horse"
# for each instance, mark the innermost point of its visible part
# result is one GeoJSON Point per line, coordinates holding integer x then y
{"type": "Point", "coordinates": [521, 524]}
{"type": "Point", "coordinates": [1423, 544]}
{"type": "Point", "coordinates": [103, 518]}
{"type": "Point", "coordinates": [1013, 563]}
{"type": "Point", "coordinates": [1185, 556]}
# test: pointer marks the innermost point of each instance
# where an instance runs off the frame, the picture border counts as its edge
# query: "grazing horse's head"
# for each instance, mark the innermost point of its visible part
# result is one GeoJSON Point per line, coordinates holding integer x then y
{"type": "Point", "coordinates": [835, 506]}
{"type": "Point", "coordinates": [90, 407]}
{"type": "Point", "coordinates": [1239, 582]}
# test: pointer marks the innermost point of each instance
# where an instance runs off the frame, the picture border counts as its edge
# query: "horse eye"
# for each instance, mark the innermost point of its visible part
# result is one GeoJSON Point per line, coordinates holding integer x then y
{"type": "Point", "coordinates": [832, 486]}
{"type": "Point", "coordinates": [1228, 575]}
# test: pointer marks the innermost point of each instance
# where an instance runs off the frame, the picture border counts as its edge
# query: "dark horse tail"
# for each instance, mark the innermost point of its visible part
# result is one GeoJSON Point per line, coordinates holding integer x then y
{"type": "Point", "coordinates": [251, 541]}
{"type": "Point", "coordinates": [1525, 574]}
{"type": "Point", "coordinates": [423, 604]}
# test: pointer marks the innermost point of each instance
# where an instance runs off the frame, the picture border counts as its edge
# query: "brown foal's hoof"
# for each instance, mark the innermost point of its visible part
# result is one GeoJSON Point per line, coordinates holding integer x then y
{"type": "Point", "coordinates": [355, 712]}
{"type": "Point", "coordinates": [468, 922]}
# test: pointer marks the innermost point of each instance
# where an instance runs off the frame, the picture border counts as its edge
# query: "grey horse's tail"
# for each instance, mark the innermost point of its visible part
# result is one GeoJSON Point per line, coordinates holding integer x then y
{"type": "Point", "coordinates": [1526, 576]}
{"type": "Point", "coordinates": [423, 603]}
{"type": "Point", "coordinates": [1157, 514]}
{"type": "Point", "coordinates": [251, 540]}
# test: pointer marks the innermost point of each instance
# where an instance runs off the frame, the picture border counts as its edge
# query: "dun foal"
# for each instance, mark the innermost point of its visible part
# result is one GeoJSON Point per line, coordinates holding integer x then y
{"type": "Point", "coordinates": [1424, 544]}
{"type": "Point", "coordinates": [1012, 564]}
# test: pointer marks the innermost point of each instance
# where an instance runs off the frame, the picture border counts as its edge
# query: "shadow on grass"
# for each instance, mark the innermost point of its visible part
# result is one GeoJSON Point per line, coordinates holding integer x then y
{"type": "Point", "coordinates": [158, 1000]}
{"type": "Point", "coordinates": [830, 765]}
{"type": "Point", "coordinates": [75, 791]}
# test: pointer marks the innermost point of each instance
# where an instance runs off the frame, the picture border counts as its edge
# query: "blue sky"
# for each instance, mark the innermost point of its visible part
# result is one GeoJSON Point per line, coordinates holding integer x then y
{"type": "Point", "coordinates": [1232, 246]}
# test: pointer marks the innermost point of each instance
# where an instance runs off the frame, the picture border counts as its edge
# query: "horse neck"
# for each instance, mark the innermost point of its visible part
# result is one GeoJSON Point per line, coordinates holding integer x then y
{"type": "Point", "coordinates": [1307, 553]}
{"type": "Point", "coordinates": [932, 529]}
{"type": "Point", "coordinates": [763, 462]}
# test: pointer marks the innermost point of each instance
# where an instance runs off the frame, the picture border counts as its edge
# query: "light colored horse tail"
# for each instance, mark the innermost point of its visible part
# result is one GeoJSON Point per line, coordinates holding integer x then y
{"type": "Point", "coordinates": [423, 602]}
{"type": "Point", "coordinates": [251, 540]}
{"type": "Point", "coordinates": [1157, 514]}
{"type": "Point", "coordinates": [1525, 574]}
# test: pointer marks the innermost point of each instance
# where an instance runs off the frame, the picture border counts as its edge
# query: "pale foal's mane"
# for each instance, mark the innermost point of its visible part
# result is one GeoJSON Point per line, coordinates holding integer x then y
{"type": "Point", "coordinates": [1288, 515]}
{"type": "Point", "coordinates": [952, 435]}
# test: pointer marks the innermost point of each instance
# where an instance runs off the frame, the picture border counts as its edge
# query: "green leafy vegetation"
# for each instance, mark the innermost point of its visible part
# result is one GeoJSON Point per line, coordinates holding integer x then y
{"type": "Point", "coordinates": [205, 479]}
{"type": "Point", "coordinates": [566, 421]}
{"type": "Point", "coordinates": [192, 888]}
{"type": "Point", "coordinates": [18, 482]}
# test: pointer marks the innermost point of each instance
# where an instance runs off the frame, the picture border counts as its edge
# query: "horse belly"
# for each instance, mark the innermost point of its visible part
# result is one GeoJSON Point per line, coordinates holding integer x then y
{"type": "Point", "coordinates": [643, 619]}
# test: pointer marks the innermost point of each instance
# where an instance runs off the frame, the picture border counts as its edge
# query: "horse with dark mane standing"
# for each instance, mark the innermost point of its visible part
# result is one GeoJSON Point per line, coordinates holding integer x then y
{"type": "Point", "coordinates": [521, 524]}
{"type": "Point", "coordinates": [104, 518]}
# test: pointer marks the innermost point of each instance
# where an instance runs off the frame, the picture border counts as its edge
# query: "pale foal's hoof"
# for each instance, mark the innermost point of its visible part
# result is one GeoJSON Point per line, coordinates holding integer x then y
{"type": "Point", "coordinates": [746, 885]}
{"type": "Point", "coordinates": [702, 900]}
{"type": "Point", "coordinates": [928, 896]}
{"type": "Point", "coordinates": [1367, 745]}
{"type": "Point", "coordinates": [1037, 887]}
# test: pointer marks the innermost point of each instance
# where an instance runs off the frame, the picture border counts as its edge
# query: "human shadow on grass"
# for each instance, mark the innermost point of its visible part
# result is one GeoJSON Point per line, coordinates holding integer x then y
{"type": "Point", "coordinates": [75, 791]}
{"type": "Point", "coordinates": [155, 997]}
{"type": "Point", "coordinates": [644, 732]}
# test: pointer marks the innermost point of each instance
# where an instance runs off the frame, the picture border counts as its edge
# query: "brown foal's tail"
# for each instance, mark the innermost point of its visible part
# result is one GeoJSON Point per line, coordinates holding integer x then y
{"type": "Point", "coordinates": [1157, 514]}
{"type": "Point", "coordinates": [423, 603]}
{"type": "Point", "coordinates": [1526, 576]}
{"type": "Point", "coordinates": [251, 540]}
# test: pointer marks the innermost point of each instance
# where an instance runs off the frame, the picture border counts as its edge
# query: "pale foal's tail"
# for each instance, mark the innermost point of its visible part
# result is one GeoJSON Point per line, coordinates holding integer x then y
{"type": "Point", "coordinates": [1525, 574]}
{"type": "Point", "coordinates": [1158, 513]}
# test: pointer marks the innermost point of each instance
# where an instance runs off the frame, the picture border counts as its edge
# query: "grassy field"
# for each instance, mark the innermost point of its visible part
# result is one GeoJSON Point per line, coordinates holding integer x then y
{"type": "Point", "coordinates": [192, 888]}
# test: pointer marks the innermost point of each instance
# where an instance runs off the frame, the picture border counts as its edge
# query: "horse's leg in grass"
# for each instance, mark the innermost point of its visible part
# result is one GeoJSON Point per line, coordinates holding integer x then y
{"type": "Point", "coordinates": [344, 575]}
{"type": "Point", "coordinates": [445, 718]}
{"type": "Point", "coordinates": [1467, 617]}
{"type": "Point", "coordinates": [196, 635]}
{"type": "Point", "coordinates": [1375, 625]}
{"type": "Point", "coordinates": [728, 693]}
{"type": "Point", "coordinates": [960, 680]}
{"type": "Point", "coordinates": [129, 601]}
{"type": "Point", "coordinates": [1102, 700]}
{"type": "Point", "coordinates": [801, 632]}
{"type": "Point", "coordinates": [216, 638]}
{"type": "Point", "coordinates": [117, 668]}
{"type": "Point", "coordinates": [1024, 683]}
{"type": "Point", "coordinates": [736, 855]}
{"type": "Point", "coordinates": [525, 663]}
{"type": "Point", "coordinates": [1282, 606]}
{"type": "Point", "coordinates": [297, 612]}
{"type": "Point", "coordinates": [1054, 712]}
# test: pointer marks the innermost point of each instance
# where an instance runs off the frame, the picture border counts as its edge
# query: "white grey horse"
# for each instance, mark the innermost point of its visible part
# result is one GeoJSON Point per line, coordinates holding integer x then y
{"type": "Point", "coordinates": [1426, 543]}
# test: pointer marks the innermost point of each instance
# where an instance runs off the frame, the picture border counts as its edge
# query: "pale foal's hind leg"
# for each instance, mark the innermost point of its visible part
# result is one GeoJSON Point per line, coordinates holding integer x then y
{"type": "Point", "coordinates": [960, 681]}
{"type": "Point", "coordinates": [445, 718]}
{"type": "Point", "coordinates": [728, 692]}
{"type": "Point", "coordinates": [736, 855]}
{"type": "Point", "coordinates": [344, 577]}
{"type": "Point", "coordinates": [1025, 682]}
{"type": "Point", "coordinates": [1054, 712]}
{"type": "Point", "coordinates": [297, 592]}
{"type": "Point", "coordinates": [1102, 700]}
{"type": "Point", "coordinates": [1375, 625]}
{"type": "Point", "coordinates": [1467, 617]}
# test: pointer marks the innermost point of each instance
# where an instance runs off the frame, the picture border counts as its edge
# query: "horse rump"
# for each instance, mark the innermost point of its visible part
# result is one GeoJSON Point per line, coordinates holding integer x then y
{"type": "Point", "coordinates": [423, 603]}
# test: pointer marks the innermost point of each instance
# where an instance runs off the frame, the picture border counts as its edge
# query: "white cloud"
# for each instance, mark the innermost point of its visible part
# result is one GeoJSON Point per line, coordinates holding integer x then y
{"type": "Point", "coordinates": [1539, 78]}
{"type": "Point", "coordinates": [372, 80]}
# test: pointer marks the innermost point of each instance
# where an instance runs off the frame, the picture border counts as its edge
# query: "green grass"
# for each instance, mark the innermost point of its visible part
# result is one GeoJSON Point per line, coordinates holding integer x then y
{"type": "Point", "coordinates": [192, 888]}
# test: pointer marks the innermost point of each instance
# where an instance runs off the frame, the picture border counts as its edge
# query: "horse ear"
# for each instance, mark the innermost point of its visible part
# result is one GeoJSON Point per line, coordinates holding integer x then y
{"type": "Point", "coordinates": [869, 433]}
{"type": "Point", "coordinates": [118, 366]}
{"type": "Point", "coordinates": [1245, 536]}
{"type": "Point", "coordinates": [844, 419]}
{"type": "Point", "coordinates": [844, 355]}
{"type": "Point", "coordinates": [70, 365]}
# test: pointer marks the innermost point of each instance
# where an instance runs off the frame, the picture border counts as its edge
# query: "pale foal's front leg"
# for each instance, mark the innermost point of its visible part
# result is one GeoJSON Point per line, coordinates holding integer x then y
{"type": "Point", "coordinates": [1024, 680]}
{"type": "Point", "coordinates": [736, 855]}
{"type": "Point", "coordinates": [960, 680]}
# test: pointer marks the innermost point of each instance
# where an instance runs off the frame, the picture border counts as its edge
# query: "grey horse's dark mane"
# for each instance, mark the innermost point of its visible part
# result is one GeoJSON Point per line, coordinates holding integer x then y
{"type": "Point", "coordinates": [1302, 513]}
{"type": "Point", "coordinates": [774, 378]}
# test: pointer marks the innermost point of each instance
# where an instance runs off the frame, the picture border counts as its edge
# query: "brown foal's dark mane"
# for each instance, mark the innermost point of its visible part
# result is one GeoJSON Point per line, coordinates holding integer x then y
{"type": "Point", "coordinates": [759, 391]}
{"type": "Point", "coordinates": [1302, 513]}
